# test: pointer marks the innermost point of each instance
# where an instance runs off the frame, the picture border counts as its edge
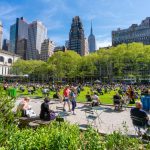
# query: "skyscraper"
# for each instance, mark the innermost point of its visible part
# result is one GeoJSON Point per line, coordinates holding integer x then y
{"type": "Point", "coordinates": [1, 34]}
{"type": "Point", "coordinates": [5, 44]}
{"type": "Point", "coordinates": [22, 48]}
{"type": "Point", "coordinates": [47, 49]}
{"type": "Point", "coordinates": [76, 36]}
{"type": "Point", "coordinates": [86, 51]}
{"type": "Point", "coordinates": [91, 41]}
{"type": "Point", "coordinates": [37, 33]}
{"type": "Point", "coordinates": [18, 31]}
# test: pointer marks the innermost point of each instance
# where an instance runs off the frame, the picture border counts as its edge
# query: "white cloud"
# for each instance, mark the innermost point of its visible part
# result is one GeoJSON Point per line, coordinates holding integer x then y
{"type": "Point", "coordinates": [7, 11]}
{"type": "Point", "coordinates": [103, 43]}
{"type": "Point", "coordinates": [6, 33]}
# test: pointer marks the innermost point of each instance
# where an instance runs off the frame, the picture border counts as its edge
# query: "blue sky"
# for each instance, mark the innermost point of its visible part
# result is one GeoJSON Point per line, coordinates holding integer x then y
{"type": "Point", "coordinates": [107, 15]}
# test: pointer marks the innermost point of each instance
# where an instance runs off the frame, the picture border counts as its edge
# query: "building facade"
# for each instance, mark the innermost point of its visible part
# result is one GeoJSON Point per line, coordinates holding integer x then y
{"type": "Point", "coordinates": [37, 33]}
{"type": "Point", "coordinates": [86, 52]}
{"type": "Point", "coordinates": [6, 61]}
{"type": "Point", "coordinates": [1, 34]}
{"type": "Point", "coordinates": [22, 47]}
{"type": "Point", "coordinates": [135, 33]}
{"type": "Point", "coordinates": [60, 48]}
{"type": "Point", "coordinates": [76, 36]}
{"type": "Point", "coordinates": [47, 49]}
{"type": "Point", "coordinates": [18, 31]}
{"type": "Point", "coordinates": [91, 41]}
{"type": "Point", "coordinates": [5, 45]}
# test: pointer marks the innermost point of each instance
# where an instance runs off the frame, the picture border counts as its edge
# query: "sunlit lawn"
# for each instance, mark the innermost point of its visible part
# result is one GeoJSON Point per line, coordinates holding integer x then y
{"type": "Point", "coordinates": [105, 99]}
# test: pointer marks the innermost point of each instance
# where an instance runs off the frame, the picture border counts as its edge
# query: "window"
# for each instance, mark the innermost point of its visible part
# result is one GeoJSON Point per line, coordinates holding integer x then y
{"type": "Point", "coordinates": [10, 61]}
{"type": "Point", "coordinates": [1, 59]}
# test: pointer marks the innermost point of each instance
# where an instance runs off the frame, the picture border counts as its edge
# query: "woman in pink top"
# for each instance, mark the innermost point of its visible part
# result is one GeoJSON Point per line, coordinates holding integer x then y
{"type": "Point", "coordinates": [66, 95]}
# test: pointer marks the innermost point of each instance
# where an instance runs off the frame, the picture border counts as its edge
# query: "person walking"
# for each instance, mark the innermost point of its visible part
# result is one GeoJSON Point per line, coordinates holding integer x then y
{"type": "Point", "coordinates": [66, 95]}
{"type": "Point", "coordinates": [73, 95]}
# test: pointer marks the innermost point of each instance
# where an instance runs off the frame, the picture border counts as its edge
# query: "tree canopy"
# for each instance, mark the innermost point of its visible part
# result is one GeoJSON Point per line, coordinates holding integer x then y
{"type": "Point", "coordinates": [121, 61]}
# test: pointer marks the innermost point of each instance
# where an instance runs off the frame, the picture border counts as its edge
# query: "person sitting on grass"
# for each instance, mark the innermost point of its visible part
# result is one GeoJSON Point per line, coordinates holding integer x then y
{"type": "Point", "coordinates": [45, 92]}
{"type": "Point", "coordinates": [88, 97]}
{"type": "Point", "coordinates": [46, 114]}
{"type": "Point", "coordinates": [95, 100]}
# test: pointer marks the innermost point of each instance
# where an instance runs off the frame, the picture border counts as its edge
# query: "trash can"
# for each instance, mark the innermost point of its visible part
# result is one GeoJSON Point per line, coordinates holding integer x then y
{"type": "Point", "coordinates": [12, 92]}
{"type": "Point", "coordinates": [146, 102]}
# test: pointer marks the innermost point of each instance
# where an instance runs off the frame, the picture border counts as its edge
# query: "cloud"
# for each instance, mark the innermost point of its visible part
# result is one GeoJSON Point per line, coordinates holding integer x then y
{"type": "Point", "coordinates": [6, 33]}
{"type": "Point", "coordinates": [103, 43]}
{"type": "Point", "coordinates": [7, 11]}
{"type": "Point", "coordinates": [103, 40]}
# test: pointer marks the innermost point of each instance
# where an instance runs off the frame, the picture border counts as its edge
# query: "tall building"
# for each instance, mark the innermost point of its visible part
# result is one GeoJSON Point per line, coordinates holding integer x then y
{"type": "Point", "coordinates": [37, 33]}
{"type": "Point", "coordinates": [86, 51]}
{"type": "Point", "coordinates": [76, 36]}
{"type": "Point", "coordinates": [91, 41]}
{"type": "Point", "coordinates": [5, 45]}
{"type": "Point", "coordinates": [1, 34]}
{"type": "Point", "coordinates": [18, 31]}
{"type": "Point", "coordinates": [47, 49]}
{"type": "Point", "coordinates": [22, 47]}
{"type": "Point", "coordinates": [135, 33]}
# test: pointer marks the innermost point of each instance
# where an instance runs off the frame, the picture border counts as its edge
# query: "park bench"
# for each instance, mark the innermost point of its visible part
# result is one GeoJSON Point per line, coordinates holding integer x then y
{"type": "Point", "coordinates": [24, 121]}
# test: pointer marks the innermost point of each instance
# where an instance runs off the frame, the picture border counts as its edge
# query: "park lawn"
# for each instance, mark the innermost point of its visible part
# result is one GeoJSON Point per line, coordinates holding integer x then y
{"type": "Point", "coordinates": [38, 93]}
{"type": "Point", "coordinates": [107, 98]}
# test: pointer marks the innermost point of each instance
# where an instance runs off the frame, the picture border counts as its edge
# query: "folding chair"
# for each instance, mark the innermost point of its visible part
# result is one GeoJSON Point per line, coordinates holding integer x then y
{"type": "Point", "coordinates": [91, 118]}
{"type": "Point", "coordinates": [139, 124]}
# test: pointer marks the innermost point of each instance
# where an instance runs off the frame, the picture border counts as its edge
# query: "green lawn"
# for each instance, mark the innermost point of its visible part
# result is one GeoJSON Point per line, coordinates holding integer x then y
{"type": "Point", "coordinates": [107, 98]}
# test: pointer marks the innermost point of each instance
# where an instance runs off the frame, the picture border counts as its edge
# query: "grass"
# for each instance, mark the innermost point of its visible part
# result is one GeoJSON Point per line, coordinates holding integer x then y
{"type": "Point", "coordinates": [106, 98]}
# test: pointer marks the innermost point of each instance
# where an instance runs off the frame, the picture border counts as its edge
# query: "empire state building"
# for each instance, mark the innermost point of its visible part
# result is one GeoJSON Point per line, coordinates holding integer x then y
{"type": "Point", "coordinates": [91, 41]}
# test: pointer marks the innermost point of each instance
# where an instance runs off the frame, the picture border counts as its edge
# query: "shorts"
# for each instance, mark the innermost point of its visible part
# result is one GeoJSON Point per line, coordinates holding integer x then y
{"type": "Point", "coordinates": [66, 100]}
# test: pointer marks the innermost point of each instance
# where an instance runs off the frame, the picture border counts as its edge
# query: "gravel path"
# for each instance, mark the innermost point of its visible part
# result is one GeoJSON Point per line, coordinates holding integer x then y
{"type": "Point", "coordinates": [107, 122]}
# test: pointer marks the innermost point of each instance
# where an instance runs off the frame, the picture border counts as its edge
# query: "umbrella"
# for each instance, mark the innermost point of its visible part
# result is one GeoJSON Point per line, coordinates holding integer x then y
{"type": "Point", "coordinates": [97, 81]}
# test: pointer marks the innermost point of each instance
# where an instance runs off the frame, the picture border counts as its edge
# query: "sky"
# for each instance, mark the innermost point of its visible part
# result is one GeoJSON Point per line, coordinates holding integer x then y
{"type": "Point", "coordinates": [56, 15]}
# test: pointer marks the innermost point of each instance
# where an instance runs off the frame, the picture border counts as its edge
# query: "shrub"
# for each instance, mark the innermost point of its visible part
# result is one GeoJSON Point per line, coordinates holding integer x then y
{"type": "Point", "coordinates": [91, 140]}
{"type": "Point", "coordinates": [7, 118]}
{"type": "Point", "coordinates": [117, 141]}
{"type": "Point", "coordinates": [55, 137]}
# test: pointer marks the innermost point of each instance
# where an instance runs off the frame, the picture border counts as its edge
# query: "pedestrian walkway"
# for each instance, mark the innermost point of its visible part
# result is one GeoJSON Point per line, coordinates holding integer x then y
{"type": "Point", "coordinates": [106, 122]}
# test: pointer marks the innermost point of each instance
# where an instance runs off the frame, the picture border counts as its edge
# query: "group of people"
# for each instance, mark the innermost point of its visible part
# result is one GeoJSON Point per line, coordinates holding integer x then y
{"type": "Point", "coordinates": [45, 113]}
{"type": "Point", "coordinates": [69, 95]}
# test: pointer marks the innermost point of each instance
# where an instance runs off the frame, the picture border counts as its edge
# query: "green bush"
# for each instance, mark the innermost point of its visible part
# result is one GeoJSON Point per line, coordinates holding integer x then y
{"type": "Point", "coordinates": [55, 137]}
{"type": "Point", "coordinates": [117, 141]}
{"type": "Point", "coordinates": [7, 118]}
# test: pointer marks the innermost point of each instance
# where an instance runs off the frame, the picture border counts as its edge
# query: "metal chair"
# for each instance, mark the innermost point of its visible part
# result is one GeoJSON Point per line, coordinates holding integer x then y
{"type": "Point", "coordinates": [139, 124]}
{"type": "Point", "coordinates": [91, 117]}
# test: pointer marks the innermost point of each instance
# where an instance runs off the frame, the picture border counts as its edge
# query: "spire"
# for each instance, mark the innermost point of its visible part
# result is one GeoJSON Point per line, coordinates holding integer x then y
{"type": "Point", "coordinates": [91, 28]}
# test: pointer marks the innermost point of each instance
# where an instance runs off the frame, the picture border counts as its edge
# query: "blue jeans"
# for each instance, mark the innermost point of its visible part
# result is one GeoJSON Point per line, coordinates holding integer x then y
{"type": "Point", "coordinates": [73, 105]}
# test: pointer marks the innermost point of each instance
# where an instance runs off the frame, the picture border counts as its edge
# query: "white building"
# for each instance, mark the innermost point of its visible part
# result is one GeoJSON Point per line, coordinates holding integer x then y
{"type": "Point", "coordinates": [47, 49]}
{"type": "Point", "coordinates": [86, 51]}
{"type": "Point", "coordinates": [6, 61]}
{"type": "Point", "coordinates": [37, 33]}
{"type": "Point", "coordinates": [1, 34]}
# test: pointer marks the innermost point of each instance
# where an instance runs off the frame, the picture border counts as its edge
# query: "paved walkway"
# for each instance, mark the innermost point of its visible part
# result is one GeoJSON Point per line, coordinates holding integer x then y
{"type": "Point", "coordinates": [108, 121]}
